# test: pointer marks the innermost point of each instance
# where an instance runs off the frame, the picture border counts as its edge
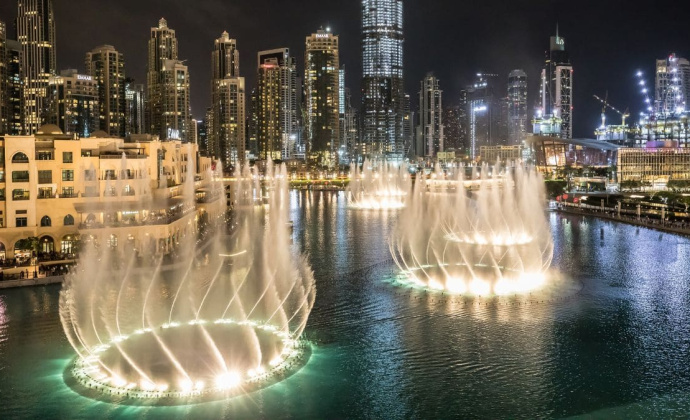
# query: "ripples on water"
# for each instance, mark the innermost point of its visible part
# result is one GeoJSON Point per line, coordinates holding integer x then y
{"type": "Point", "coordinates": [619, 348]}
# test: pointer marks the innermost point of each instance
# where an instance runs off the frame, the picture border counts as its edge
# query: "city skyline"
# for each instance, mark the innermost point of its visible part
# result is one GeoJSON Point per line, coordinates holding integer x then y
{"type": "Point", "coordinates": [514, 36]}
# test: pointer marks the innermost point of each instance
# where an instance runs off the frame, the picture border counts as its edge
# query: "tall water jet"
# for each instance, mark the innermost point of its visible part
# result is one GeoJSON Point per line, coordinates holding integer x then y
{"type": "Point", "coordinates": [379, 185]}
{"type": "Point", "coordinates": [482, 236]}
{"type": "Point", "coordinates": [218, 315]}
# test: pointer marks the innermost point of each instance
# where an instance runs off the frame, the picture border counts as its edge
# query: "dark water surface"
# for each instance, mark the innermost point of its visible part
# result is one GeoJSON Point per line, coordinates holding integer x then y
{"type": "Point", "coordinates": [620, 348]}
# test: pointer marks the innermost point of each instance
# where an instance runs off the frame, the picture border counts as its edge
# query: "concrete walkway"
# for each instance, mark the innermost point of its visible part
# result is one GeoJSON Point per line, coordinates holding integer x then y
{"type": "Point", "coordinates": [41, 281]}
{"type": "Point", "coordinates": [629, 220]}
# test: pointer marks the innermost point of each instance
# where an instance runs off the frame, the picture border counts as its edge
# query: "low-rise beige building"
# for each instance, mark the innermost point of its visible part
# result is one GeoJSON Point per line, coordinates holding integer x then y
{"type": "Point", "coordinates": [118, 193]}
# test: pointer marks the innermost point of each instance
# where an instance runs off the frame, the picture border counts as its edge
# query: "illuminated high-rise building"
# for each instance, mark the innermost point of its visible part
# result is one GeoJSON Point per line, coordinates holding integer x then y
{"type": "Point", "coordinates": [227, 125]}
{"type": "Point", "coordinates": [4, 81]}
{"type": "Point", "coordinates": [557, 87]}
{"type": "Point", "coordinates": [168, 103]}
{"type": "Point", "coordinates": [13, 87]}
{"type": "Point", "coordinates": [672, 87]}
{"type": "Point", "coordinates": [322, 97]}
{"type": "Point", "coordinates": [107, 67]}
{"type": "Point", "coordinates": [382, 77]}
{"type": "Point", "coordinates": [277, 123]}
{"type": "Point", "coordinates": [430, 130]}
{"type": "Point", "coordinates": [135, 110]}
{"type": "Point", "coordinates": [73, 103]}
{"type": "Point", "coordinates": [36, 34]}
{"type": "Point", "coordinates": [517, 106]}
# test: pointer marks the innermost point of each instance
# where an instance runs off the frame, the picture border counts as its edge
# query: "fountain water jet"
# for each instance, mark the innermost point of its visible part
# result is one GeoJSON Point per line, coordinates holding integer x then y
{"type": "Point", "coordinates": [171, 329]}
{"type": "Point", "coordinates": [482, 236]}
{"type": "Point", "coordinates": [379, 185]}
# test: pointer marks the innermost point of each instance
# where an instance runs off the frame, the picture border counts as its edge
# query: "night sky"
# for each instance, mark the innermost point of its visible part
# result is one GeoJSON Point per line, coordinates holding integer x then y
{"type": "Point", "coordinates": [608, 40]}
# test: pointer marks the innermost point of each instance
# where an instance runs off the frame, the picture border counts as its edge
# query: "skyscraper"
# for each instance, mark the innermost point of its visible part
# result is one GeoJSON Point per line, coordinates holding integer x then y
{"type": "Point", "coordinates": [107, 67]}
{"type": "Point", "coordinates": [135, 111]}
{"type": "Point", "coordinates": [517, 106]}
{"type": "Point", "coordinates": [4, 81]}
{"type": "Point", "coordinates": [485, 111]}
{"type": "Point", "coordinates": [557, 86]}
{"type": "Point", "coordinates": [322, 97]}
{"type": "Point", "coordinates": [36, 34]}
{"type": "Point", "coordinates": [277, 124]}
{"type": "Point", "coordinates": [382, 77]}
{"type": "Point", "coordinates": [430, 129]}
{"type": "Point", "coordinates": [672, 87]}
{"type": "Point", "coordinates": [452, 126]}
{"type": "Point", "coordinates": [73, 103]}
{"type": "Point", "coordinates": [227, 126]}
{"type": "Point", "coordinates": [168, 105]}
{"type": "Point", "coordinates": [13, 98]}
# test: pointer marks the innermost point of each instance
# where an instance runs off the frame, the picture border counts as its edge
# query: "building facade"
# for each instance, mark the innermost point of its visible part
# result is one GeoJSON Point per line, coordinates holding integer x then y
{"type": "Point", "coordinates": [277, 123]}
{"type": "Point", "coordinates": [63, 190]}
{"type": "Point", "coordinates": [135, 108]}
{"type": "Point", "coordinates": [557, 86]}
{"type": "Point", "coordinates": [168, 103]}
{"type": "Point", "coordinates": [517, 106]}
{"type": "Point", "coordinates": [486, 114]}
{"type": "Point", "coordinates": [227, 128]}
{"type": "Point", "coordinates": [672, 86]}
{"type": "Point", "coordinates": [430, 134]}
{"type": "Point", "coordinates": [107, 67]}
{"type": "Point", "coordinates": [382, 78]}
{"type": "Point", "coordinates": [4, 81]}
{"type": "Point", "coordinates": [654, 166]}
{"type": "Point", "coordinates": [36, 34]}
{"type": "Point", "coordinates": [322, 87]}
{"type": "Point", "coordinates": [73, 103]}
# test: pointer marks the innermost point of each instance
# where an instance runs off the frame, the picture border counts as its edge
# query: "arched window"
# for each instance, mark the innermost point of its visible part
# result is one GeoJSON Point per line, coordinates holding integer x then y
{"type": "Point", "coordinates": [45, 221]}
{"type": "Point", "coordinates": [20, 157]}
{"type": "Point", "coordinates": [69, 220]}
{"type": "Point", "coordinates": [128, 190]}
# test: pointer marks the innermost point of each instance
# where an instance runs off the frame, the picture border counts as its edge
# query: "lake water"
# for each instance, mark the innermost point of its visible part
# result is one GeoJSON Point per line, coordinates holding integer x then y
{"type": "Point", "coordinates": [619, 348]}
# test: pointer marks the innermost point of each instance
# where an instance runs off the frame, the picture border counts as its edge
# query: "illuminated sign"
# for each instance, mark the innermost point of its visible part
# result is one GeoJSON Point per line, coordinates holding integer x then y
{"type": "Point", "coordinates": [322, 35]}
{"type": "Point", "coordinates": [83, 77]}
{"type": "Point", "coordinates": [173, 134]}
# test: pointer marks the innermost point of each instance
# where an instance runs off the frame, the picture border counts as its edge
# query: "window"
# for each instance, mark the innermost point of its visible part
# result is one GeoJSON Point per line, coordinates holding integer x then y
{"type": "Point", "coordinates": [44, 155]}
{"type": "Point", "coordinates": [46, 222]}
{"type": "Point", "coordinates": [2, 174]}
{"type": "Point", "coordinates": [69, 220]}
{"type": "Point", "coordinates": [128, 190]}
{"type": "Point", "coordinates": [67, 175]}
{"type": "Point", "coordinates": [110, 192]}
{"type": "Point", "coordinates": [2, 194]}
{"type": "Point", "coordinates": [45, 177]}
{"type": "Point", "coordinates": [86, 153]}
{"type": "Point", "coordinates": [20, 176]}
{"type": "Point", "coordinates": [126, 174]}
{"type": "Point", "coordinates": [21, 221]}
{"type": "Point", "coordinates": [67, 246]}
{"type": "Point", "coordinates": [20, 195]}
{"type": "Point", "coordinates": [68, 192]}
{"type": "Point", "coordinates": [20, 158]}
{"type": "Point", "coordinates": [66, 157]}
{"type": "Point", "coordinates": [90, 175]}
{"type": "Point", "coordinates": [110, 174]}
{"type": "Point", "coordinates": [45, 192]}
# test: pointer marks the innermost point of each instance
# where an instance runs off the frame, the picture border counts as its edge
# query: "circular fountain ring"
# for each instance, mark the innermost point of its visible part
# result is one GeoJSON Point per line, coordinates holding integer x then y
{"type": "Point", "coordinates": [168, 353]}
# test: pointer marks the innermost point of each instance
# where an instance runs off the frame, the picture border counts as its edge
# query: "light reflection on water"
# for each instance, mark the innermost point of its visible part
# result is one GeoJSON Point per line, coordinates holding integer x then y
{"type": "Point", "coordinates": [620, 348]}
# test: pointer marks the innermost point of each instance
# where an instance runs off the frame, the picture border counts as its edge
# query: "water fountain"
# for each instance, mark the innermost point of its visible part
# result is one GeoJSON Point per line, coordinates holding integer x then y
{"type": "Point", "coordinates": [482, 236]}
{"type": "Point", "coordinates": [379, 185]}
{"type": "Point", "coordinates": [222, 317]}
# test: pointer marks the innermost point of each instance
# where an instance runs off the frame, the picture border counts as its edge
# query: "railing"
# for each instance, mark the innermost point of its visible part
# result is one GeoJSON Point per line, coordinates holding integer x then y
{"type": "Point", "coordinates": [159, 221]}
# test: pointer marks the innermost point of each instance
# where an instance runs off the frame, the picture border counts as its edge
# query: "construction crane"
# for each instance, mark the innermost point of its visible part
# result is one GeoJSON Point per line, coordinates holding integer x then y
{"type": "Point", "coordinates": [606, 104]}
